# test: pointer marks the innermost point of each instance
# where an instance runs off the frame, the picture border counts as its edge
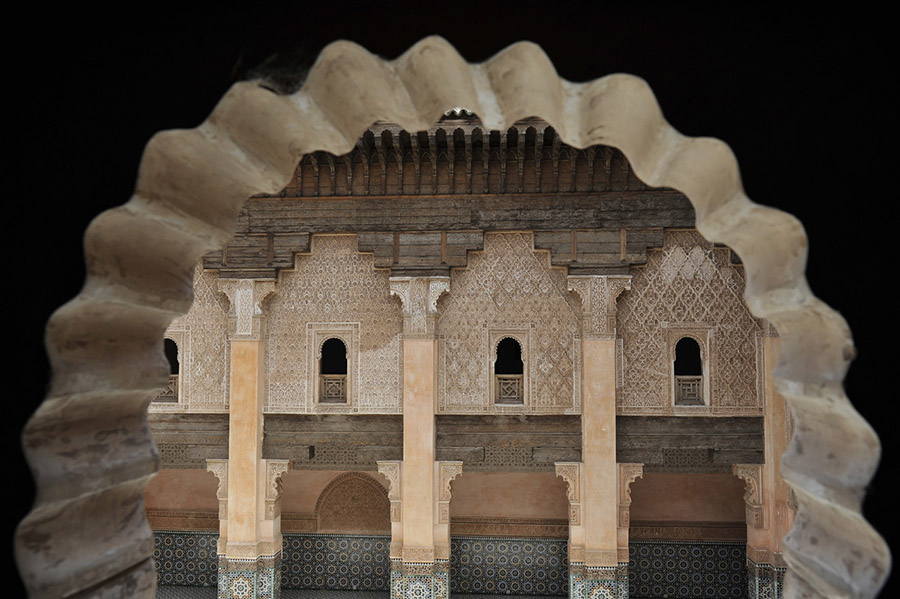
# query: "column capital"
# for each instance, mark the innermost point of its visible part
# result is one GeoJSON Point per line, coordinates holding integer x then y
{"type": "Point", "coordinates": [245, 315]}
{"type": "Point", "coordinates": [419, 296]}
{"type": "Point", "coordinates": [275, 470]}
{"type": "Point", "coordinates": [598, 295]}
{"type": "Point", "coordinates": [571, 473]}
{"type": "Point", "coordinates": [628, 473]}
{"type": "Point", "coordinates": [752, 475]}
{"type": "Point", "coordinates": [220, 469]}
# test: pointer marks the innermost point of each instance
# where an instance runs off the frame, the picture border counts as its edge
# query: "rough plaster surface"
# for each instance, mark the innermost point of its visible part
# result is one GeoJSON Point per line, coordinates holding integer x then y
{"type": "Point", "coordinates": [687, 497]}
{"type": "Point", "coordinates": [105, 345]}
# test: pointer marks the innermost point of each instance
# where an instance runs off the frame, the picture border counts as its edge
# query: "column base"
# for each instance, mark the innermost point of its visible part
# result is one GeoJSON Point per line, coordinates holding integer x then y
{"type": "Point", "coordinates": [598, 582]}
{"type": "Point", "coordinates": [764, 581]}
{"type": "Point", "coordinates": [420, 580]}
{"type": "Point", "coordinates": [255, 578]}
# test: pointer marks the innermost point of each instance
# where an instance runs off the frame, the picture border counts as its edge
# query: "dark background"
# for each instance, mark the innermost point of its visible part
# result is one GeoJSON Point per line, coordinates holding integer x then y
{"type": "Point", "coordinates": [807, 101]}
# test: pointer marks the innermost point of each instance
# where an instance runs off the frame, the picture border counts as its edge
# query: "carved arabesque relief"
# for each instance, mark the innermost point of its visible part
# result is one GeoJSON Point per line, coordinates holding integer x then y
{"type": "Point", "coordinates": [689, 284]}
{"type": "Point", "coordinates": [353, 502]}
{"type": "Point", "coordinates": [333, 284]}
{"type": "Point", "coordinates": [509, 286]}
{"type": "Point", "coordinates": [203, 349]}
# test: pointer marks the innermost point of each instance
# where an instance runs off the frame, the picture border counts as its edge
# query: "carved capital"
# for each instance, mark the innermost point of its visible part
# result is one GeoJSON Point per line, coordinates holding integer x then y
{"type": "Point", "coordinates": [447, 472]}
{"type": "Point", "coordinates": [571, 473]}
{"type": "Point", "coordinates": [275, 469]}
{"type": "Point", "coordinates": [752, 475]}
{"type": "Point", "coordinates": [245, 313]}
{"type": "Point", "coordinates": [220, 469]}
{"type": "Point", "coordinates": [419, 296]}
{"type": "Point", "coordinates": [598, 295]}
{"type": "Point", "coordinates": [628, 473]}
{"type": "Point", "coordinates": [390, 469]}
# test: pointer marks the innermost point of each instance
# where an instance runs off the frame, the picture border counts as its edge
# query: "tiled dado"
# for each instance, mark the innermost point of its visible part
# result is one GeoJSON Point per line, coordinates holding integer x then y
{"type": "Point", "coordinates": [258, 578]}
{"type": "Point", "coordinates": [185, 558]}
{"type": "Point", "coordinates": [420, 581]}
{"type": "Point", "coordinates": [593, 582]}
{"type": "Point", "coordinates": [687, 569]}
{"type": "Point", "coordinates": [509, 566]}
{"type": "Point", "coordinates": [764, 581]}
{"type": "Point", "coordinates": [488, 565]}
{"type": "Point", "coordinates": [336, 562]}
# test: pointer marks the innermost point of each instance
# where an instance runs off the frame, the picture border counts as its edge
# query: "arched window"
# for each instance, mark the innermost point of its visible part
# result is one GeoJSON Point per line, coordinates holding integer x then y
{"type": "Point", "coordinates": [170, 394]}
{"type": "Point", "coordinates": [333, 372]}
{"type": "Point", "coordinates": [508, 373]}
{"type": "Point", "coordinates": [688, 373]}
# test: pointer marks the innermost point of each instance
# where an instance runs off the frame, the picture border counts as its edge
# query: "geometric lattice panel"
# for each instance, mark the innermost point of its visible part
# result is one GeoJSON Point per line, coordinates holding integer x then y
{"type": "Point", "coordinates": [185, 558]}
{"type": "Point", "coordinates": [336, 562]}
{"type": "Point", "coordinates": [504, 566]}
{"type": "Point", "coordinates": [689, 569]}
{"type": "Point", "coordinates": [509, 286]}
{"type": "Point", "coordinates": [331, 285]}
{"type": "Point", "coordinates": [688, 287]}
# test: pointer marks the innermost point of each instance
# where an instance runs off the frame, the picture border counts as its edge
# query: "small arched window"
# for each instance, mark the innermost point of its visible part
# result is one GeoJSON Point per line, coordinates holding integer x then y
{"type": "Point", "coordinates": [688, 373]}
{"type": "Point", "coordinates": [170, 394]}
{"type": "Point", "coordinates": [508, 372]}
{"type": "Point", "coordinates": [333, 372]}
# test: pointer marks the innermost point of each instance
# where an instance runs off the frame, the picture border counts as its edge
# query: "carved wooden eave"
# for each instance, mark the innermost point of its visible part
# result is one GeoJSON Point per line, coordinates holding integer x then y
{"type": "Point", "coordinates": [107, 360]}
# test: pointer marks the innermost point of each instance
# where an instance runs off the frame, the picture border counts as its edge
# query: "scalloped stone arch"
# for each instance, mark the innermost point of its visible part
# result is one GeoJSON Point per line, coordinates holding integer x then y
{"type": "Point", "coordinates": [105, 345]}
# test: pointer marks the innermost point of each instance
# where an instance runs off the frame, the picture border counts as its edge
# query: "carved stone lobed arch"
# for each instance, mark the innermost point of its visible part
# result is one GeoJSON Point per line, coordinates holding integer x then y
{"type": "Point", "coordinates": [105, 345]}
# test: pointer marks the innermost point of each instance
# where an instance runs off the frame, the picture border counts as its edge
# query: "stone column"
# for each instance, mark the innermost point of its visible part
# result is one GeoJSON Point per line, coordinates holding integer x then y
{"type": "Point", "coordinates": [419, 573]}
{"type": "Point", "coordinates": [600, 572]}
{"type": "Point", "coordinates": [249, 566]}
{"type": "Point", "coordinates": [769, 501]}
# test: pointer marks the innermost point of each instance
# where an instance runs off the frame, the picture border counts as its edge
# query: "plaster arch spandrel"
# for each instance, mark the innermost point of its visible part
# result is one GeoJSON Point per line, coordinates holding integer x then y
{"type": "Point", "coordinates": [104, 345]}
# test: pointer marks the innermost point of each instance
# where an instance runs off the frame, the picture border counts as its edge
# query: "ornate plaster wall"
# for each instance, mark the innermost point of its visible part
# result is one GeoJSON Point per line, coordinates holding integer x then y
{"type": "Point", "coordinates": [688, 288]}
{"type": "Point", "coordinates": [509, 290]}
{"type": "Point", "coordinates": [203, 349]}
{"type": "Point", "coordinates": [333, 291]}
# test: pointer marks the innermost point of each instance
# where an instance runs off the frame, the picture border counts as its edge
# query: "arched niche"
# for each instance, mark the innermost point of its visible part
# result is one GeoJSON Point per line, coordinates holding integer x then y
{"type": "Point", "coordinates": [104, 344]}
{"type": "Point", "coordinates": [353, 503]}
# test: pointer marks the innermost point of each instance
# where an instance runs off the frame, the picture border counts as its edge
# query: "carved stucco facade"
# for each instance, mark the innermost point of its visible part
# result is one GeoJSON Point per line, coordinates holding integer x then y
{"type": "Point", "coordinates": [689, 288]}
{"type": "Point", "coordinates": [334, 291]}
{"type": "Point", "coordinates": [509, 290]}
{"type": "Point", "coordinates": [202, 339]}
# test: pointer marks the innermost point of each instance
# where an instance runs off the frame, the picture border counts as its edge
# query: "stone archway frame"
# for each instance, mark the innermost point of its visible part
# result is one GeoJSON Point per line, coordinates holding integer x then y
{"type": "Point", "coordinates": [89, 445]}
